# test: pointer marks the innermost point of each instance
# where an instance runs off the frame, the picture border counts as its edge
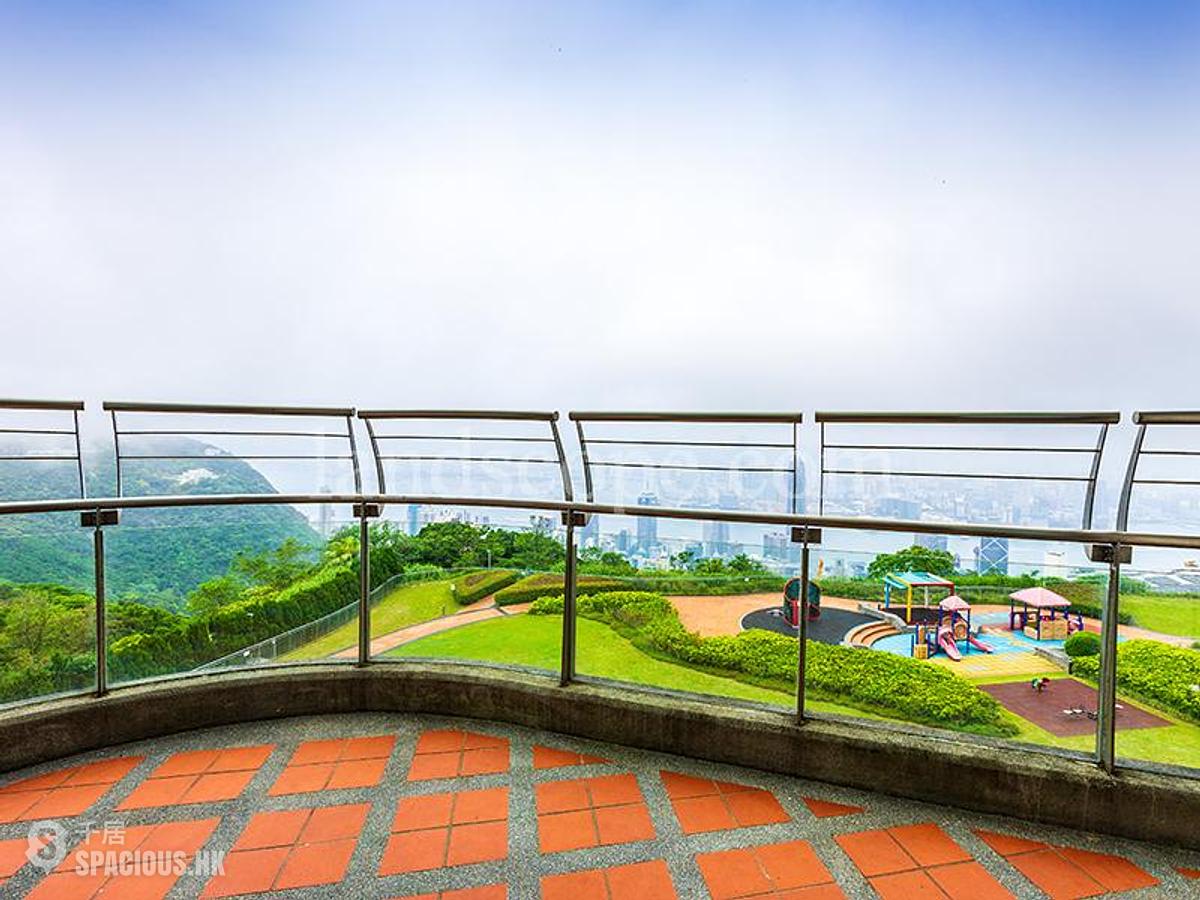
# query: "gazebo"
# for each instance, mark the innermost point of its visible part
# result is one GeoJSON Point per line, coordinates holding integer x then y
{"type": "Point", "coordinates": [906, 582]}
{"type": "Point", "coordinates": [1038, 605]}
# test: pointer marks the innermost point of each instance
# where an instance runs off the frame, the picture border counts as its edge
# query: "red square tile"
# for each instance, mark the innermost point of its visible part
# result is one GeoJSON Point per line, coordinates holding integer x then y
{"type": "Point", "coordinates": [302, 779]}
{"type": "Point", "coordinates": [280, 828]}
{"type": "Point", "coordinates": [732, 873]}
{"type": "Point", "coordinates": [641, 881]}
{"type": "Point", "coordinates": [968, 881]}
{"type": "Point", "coordinates": [484, 761]}
{"type": "Point", "coordinates": [38, 782]}
{"type": "Point", "coordinates": [310, 752]}
{"type": "Point", "coordinates": [180, 837]}
{"type": "Point", "coordinates": [14, 806]}
{"type": "Point", "coordinates": [481, 806]}
{"type": "Point", "coordinates": [611, 790]}
{"type": "Point", "coordinates": [1114, 872]}
{"type": "Point", "coordinates": [624, 824]}
{"type": "Point", "coordinates": [679, 785]}
{"type": "Point", "coordinates": [12, 856]}
{"type": "Point", "coordinates": [66, 801]}
{"type": "Point", "coordinates": [1007, 844]}
{"type": "Point", "coordinates": [67, 886]}
{"type": "Point", "coordinates": [561, 796]}
{"type": "Point", "coordinates": [431, 766]}
{"type": "Point", "coordinates": [1056, 876]}
{"type": "Point", "coordinates": [906, 886]}
{"type": "Point", "coordinates": [792, 865]}
{"type": "Point", "coordinates": [559, 832]}
{"type": "Point", "coordinates": [485, 892]}
{"type": "Point", "coordinates": [590, 885]}
{"type": "Point", "coordinates": [825, 809]}
{"type": "Point", "coordinates": [478, 842]}
{"type": "Point", "coordinates": [550, 758]}
{"type": "Point", "coordinates": [474, 741]}
{"type": "Point", "coordinates": [928, 844]}
{"type": "Point", "coordinates": [237, 759]}
{"type": "Point", "coordinates": [1188, 873]}
{"type": "Point", "coordinates": [439, 741]}
{"type": "Point", "coordinates": [356, 773]}
{"type": "Point", "coordinates": [158, 792]}
{"type": "Point", "coordinates": [213, 787]}
{"type": "Point", "coordinates": [334, 823]}
{"type": "Point", "coordinates": [701, 814]}
{"type": "Point", "coordinates": [379, 747]}
{"type": "Point", "coordinates": [247, 872]}
{"type": "Point", "coordinates": [315, 864]}
{"type": "Point", "coordinates": [192, 762]}
{"type": "Point", "coordinates": [875, 852]}
{"type": "Point", "coordinates": [415, 851]}
{"type": "Point", "coordinates": [415, 813]}
{"type": "Point", "coordinates": [756, 807]}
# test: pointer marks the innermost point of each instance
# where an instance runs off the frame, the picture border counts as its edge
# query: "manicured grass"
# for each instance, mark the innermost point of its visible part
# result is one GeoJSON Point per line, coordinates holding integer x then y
{"type": "Point", "coordinates": [404, 606]}
{"type": "Point", "coordinates": [1166, 615]}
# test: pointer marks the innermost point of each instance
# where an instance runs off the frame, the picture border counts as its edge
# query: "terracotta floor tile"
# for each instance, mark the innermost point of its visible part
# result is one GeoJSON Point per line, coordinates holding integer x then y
{"type": "Point", "coordinates": [825, 809]}
{"type": "Point", "coordinates": [489, 805]}
{"type": "Point", "coordinates": [247, 872]}
{"type": "Point", "coordinates": [158, 792]}
{"type": "Point", "coordinates": [816, 892]}
{"type": "Point", "coordinates": [624, 824]}
{"type": "Point", "coordinates": [106, 771]}
{"type": "Point", "coordinates": [484, 761]}
{"type": "Point", "coordinates": [37, 782]}
{"type": "Point", "coordinates": [679, 785]}
{"type": "Point", "coordinates": [588, 885]}
{"type": "Point", "coordinates": [733, 787]}
{"type": "Point", "coordinates": [139, 887]}
{"type": "Point", "coordinates": [415, 813]}
{"type": "Point", "coordinates": [67, 886]}
{"type": "Point", "coordinates": [14, 806]}
{"type": "Point", "coordinates": [906, 886]}
{"type": "Point", "coordinates": [440, 741]}
{"type": "Point", "coordinates": [1007, 844]}
{"type": "Point", "coordinates": [701, 814]}
{"type": "Point", "coordinates": [968, 881]}
{"type": "Point", "coordinates": [792, 865]}
{"type": "Point", "coordinates": [356, 773]}
{"type": "Point", "coordinates": [66, 801]}
{"type": "Point", "coordinates": [478, 842]}
{"type": "Point", "coordinates": [473, 741]}
{"type": "Point", "coordinates": [559, 832]}
{"type": "Point", "coordinates": [486, 892]}
{"type": "Point", "coordinates": [302, 779]}
{"type": "Point", "coordinates": [1114, 872]}
{"type": "Point", "coordinates": [277, 828]}
{"type": "Point", "coordinates": [414, 851]}
{"type": "Point", "coordinates": [875, 852]}
{"type": "Point", "coordinates": [185, 837]}
{"type": "Point", "coordinates": [611, 790]}
{"type": "Point", "coordinates": [1188, 873]}
{"type": "Point", "coordinates": [928, 844]}
{"type": "Point", "coordinates": [378, 747]}
{"type": "Point", "coordinates": [310, 752]}
{"type": "Point", "coordinates": [1056, 876]}
{"type": "Point", "coordinates": [12, 856]}
{"type": "Point", "coordinates": [236, 759]}
{"type": "Point", "coordinates": [640, 881]}
{"type": "Point", "coordinates": [561, 796]}
{"type": "Point", "coordinates": [214, 787]}
{"type": "Point", "coordinates": [732, 873]}
{"type": "Point", "coordinates": [756, 807]}
{"type": "Point", "coordinates": [431, 766]}
{"type": "Point", "coordinates": [315, 864]}
{"type": "Point", "coordinates": [334, 823]}
{"type": "Point", "coordinates": [191, 762]}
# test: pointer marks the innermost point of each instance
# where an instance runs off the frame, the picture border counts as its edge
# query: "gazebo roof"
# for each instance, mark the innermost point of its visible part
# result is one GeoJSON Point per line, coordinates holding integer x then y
{"type": "Point", "coordinates": [954, 603]}
{"type": "Point", "coordinates": [1041, 598]}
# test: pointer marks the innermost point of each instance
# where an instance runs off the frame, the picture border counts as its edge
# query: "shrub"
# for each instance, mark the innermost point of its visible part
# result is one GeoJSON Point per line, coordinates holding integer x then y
{"type": "Point", "coordinates": [1159, 673]}
{"type": "Point", "coordinates": [534, 586]}
{"type": "Point", "coordinates": [909, 688]}
{"type": "Point", "coordinates": [477, 585]}
{"type": "Point", "coordinates": [1082, 643]}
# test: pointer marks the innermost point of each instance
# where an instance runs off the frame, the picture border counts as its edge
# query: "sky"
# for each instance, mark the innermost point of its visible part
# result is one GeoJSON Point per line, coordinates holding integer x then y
{"type": "Point", "coordinates": [570, 205]}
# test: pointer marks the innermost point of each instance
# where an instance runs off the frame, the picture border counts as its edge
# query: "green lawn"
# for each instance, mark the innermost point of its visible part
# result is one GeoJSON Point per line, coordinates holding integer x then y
{"type": "Point", "coordinates": [1167, 615]}
{"type": "Point", "coordinates": [404, 606]}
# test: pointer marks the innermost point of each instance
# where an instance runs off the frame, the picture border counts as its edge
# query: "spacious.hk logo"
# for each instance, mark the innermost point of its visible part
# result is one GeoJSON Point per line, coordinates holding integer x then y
{"type": "Point", "coordinates": [103, 852]}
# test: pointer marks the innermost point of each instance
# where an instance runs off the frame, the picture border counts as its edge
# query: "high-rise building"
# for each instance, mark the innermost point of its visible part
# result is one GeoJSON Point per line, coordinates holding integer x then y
{"type": "Point", "coordinates": [414, 518]}
{"type": "Point", "coordinates": [647, 527]}
{"type": "Point", "coordinates": [589, 534]}
{"type": "Point", "coordinates": [932, 541]}
{"type": "Point", "coordinates": [716, 539]}
{"type": "Point", "coordinates": [991, 556]}
{"type": "Point", "coordinates": [800, 486]}
{"type": "Point", "coordinates": [776, 545]}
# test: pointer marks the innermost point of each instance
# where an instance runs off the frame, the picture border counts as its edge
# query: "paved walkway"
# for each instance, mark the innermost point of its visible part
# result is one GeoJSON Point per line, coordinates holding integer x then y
{"type": "Point", "coordinates": [373, 806]}
{"type": "Point", "coordinates": [476, 612]}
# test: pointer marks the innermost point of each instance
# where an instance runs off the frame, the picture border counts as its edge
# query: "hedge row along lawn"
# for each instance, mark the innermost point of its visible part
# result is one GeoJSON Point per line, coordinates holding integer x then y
{"type": "Point", "coordinates": [878, 682]}
{"type": "Point", "coordinates": [1160, 674]}
{"type": "Point", "coordinates": [530, 588]}
{"type": "Point", "coordinates": [466, 589]}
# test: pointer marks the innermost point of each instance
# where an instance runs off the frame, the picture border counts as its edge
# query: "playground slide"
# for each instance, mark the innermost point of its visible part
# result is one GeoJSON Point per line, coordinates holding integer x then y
{"type": "Point", "coordinates": [946, 642]}
{"type": "Point", "coordinates": [978, 644]}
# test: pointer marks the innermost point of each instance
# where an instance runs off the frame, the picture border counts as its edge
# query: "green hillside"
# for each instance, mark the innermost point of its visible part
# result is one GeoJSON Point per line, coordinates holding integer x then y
{"type": "Point", "coordinates": [157, 555]}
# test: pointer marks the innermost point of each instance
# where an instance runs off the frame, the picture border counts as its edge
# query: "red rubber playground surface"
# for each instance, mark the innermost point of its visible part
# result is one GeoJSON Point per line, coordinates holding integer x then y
{"type": "Point", "coordinates": [1054, 708]}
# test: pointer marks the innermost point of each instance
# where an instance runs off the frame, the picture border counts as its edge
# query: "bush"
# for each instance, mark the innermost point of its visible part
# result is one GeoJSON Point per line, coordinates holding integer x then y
{"type": "Point", "coordinates": [1082, 643]}
{"type": "Point", "coordinates": [908, 688]}
{"type": "Point", "coordinates": [468, 588]}
{"type": "Point", "coordinates": [1158, 673]}
{"type": "Point", "coordinates": [534, 586]}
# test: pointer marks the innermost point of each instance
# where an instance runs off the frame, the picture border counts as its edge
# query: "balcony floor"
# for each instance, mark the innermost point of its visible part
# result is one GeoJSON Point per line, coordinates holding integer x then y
{"type": "Point", "coordinates": [419, 806]}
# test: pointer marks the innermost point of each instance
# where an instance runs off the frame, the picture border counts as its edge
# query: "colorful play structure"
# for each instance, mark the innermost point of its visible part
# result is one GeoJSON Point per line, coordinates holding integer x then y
{"type": "Point", "coordinates": [953, 627]}
{"type": "Point", "coordinates": [906, 582]}
{"type": "Point", "coordinates": [1043, 614]}
{"type": "Point", "coordinates": [791, 602]}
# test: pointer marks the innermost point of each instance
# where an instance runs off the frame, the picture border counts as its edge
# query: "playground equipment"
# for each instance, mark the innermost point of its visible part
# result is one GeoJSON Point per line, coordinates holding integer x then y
{"type": "Point", "coordinates": [1043, 615]}
{"type": "Point", "coordinates": [906, 581]}
{"type": "Point", "coordinates": [953, 627]}
{"type": "Point", "coordinates": [791, 602]}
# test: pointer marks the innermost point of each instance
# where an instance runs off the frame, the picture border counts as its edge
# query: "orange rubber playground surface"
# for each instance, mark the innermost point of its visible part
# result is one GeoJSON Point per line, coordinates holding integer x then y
{"type": "Point", "coordinates": [418, 807]}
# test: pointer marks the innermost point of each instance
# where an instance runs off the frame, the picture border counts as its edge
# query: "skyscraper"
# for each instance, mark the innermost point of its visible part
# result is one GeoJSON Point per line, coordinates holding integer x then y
{"type": "Point", "coordinates": [991, 557]}
{"type": "Point", "coordinates": [647, 528]}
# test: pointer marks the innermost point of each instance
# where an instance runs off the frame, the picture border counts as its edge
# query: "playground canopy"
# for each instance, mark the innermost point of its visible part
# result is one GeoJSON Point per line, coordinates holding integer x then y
{"type": "Point", "coordinates": [954, 603]}
{"type": "Point", "coordinates": [1040, 598]}
{"type": "Point", "coordinates": [906, 581]}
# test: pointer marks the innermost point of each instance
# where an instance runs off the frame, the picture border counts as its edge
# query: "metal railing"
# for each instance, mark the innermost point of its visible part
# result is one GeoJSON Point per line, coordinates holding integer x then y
{"type": "Point", "coordinates": [35, 431]}
{"type": "Point", "coordinates": [1110, 547]}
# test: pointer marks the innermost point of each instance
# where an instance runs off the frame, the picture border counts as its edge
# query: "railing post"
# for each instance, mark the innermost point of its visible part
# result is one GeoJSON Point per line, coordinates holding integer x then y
{"type": "Point", "coordinates": [364, 512]}
{"type": "Point", "coordinates": [96, 520]}
{"type": "Point", "coordinates": [1106, 711]}
{"type": "Point", "coordinates": [804, 535]}
{"type": "Point", "coordinates": [570, 584]}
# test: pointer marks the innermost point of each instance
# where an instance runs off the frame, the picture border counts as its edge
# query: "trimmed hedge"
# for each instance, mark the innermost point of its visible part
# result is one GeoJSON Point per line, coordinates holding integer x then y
{"type": "Point", "coordinates": [532, 587]}
{"type": "Point", "coordinates": [475, 586]}
{"type": "Point", "coordinates": [1158, 673]}
{"type": "Point", "coordinates": [1082, 643]}
{"type": "Point", "coordinates": [871, 679]}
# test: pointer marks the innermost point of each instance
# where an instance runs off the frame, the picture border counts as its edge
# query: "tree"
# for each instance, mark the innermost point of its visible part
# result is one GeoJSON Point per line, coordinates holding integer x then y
{"type": "Point", "coordinates": [449, 544]}
{"type": "Point", "coordinates": [275, 568]}
{"type": "Point", "coordinates": [913, 559]}
{"type": "Point", "coordinates": [215, 593]}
